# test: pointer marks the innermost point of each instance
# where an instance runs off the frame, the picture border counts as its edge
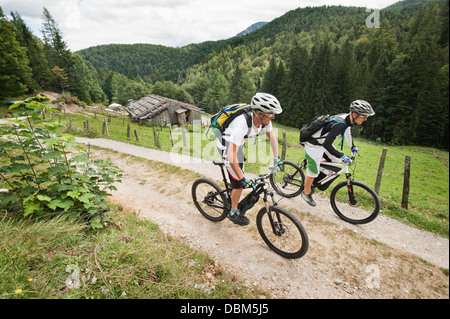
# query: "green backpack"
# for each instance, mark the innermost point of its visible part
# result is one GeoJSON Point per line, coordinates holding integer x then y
{"type": "Point", "coordinates": [221, 120]}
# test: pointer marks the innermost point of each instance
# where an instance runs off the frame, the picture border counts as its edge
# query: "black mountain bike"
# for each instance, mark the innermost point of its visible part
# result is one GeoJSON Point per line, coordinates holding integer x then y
{"type": "Point", "coordinates": [353, 201]}
{"type": "Point", "coordinates": [279, 229]}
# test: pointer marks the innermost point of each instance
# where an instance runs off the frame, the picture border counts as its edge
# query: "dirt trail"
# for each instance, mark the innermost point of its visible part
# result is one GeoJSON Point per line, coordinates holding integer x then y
{"type": "Point", "coordinates": [382, 259]}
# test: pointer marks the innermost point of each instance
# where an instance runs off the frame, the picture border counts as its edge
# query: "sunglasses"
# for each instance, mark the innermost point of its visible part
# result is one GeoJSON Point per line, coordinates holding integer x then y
{"type": "Point", "coordinates": [270, 115]}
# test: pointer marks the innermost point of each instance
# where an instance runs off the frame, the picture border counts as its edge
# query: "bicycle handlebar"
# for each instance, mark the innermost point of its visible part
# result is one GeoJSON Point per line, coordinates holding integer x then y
{"type": "Point", "coordinates": [260, 178]}
{"type": "Point", "coordinates": [352, 158]}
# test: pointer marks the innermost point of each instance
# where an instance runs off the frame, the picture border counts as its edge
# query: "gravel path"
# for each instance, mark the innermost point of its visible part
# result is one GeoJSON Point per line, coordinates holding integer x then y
{"type": "Point", "coordinates": [338, 264]}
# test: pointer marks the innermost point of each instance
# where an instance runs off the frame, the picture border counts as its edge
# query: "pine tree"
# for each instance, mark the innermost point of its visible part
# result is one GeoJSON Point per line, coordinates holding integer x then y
{"type": "Point", "coordinates": [56, 49]}
{"type": "Point", "coordinates": [343, 78]}
{"type": "Point", "coordinates": [217, 94]}
{"type": "Point", "coordinates": [35, 53]}
{"type": "Point", "coordinates": [270, 81]}
{"type": "Point", "coordinates": [241, 87]}
{"type": "Point", "coordinates": [292, 91]}
{"type": "Point", "coordinates": [235, 86]}
{"type": "Point", "coordinates": [14, 69]}
{"type": "Point", "coordinates": [318, 88]}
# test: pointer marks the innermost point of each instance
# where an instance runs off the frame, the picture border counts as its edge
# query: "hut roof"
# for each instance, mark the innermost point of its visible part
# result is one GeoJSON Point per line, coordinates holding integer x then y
{"type": "Point", "coordinates": [151, 105]}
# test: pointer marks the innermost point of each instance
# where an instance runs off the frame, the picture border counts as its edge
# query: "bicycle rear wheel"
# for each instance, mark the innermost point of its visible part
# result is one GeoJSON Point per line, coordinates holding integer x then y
{"type": "Point", "coordinates": [282, 232]}
{"type": "Point", "coordinates": [209, 199]}
{"type": "Point", "coordinates": [288, 182]}
{"type": "Point", "coordinates": [364, 208]}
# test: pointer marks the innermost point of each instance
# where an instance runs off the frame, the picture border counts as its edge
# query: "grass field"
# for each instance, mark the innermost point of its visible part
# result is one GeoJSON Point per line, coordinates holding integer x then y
{"type": "Point", "coordinates": [38, 256]}
{"type": "Point", "coordinates": [133, 258]}
{"type": "Point", "coordinates": [429, 191]}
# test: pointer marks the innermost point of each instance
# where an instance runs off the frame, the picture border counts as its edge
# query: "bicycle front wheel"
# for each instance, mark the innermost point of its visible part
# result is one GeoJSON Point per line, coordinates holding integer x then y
{"type": "Point", "coordinates": [209, 199]}
{"type": "Point", "coordinates": [288, 182]}
{"type": "Point", "coordinates": [360, 208]}
{"type": "Point", "coordinates": [282, 232]}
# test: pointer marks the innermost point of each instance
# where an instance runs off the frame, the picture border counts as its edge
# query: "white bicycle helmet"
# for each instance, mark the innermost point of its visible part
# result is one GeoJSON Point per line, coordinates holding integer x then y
{"type": "Point", "coordinates": [362, 108]}
{"type": "Point", "coordinates": [266, 103]}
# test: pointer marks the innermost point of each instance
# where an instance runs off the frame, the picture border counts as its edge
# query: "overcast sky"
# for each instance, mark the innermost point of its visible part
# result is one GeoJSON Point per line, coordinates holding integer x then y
{"type": "Point", "coordinates": [174, 23]}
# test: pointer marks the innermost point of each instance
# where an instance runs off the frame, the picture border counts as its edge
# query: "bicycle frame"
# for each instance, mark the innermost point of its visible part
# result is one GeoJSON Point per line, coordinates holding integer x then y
{"type": "Point", "coordinates": [261, 187]}
{"type": "Point", "coordinates": [325, 182]}
{"type": "Point", "coordinates": [328, 178]}
{"type": "Point", "coordinates": [343, 168]}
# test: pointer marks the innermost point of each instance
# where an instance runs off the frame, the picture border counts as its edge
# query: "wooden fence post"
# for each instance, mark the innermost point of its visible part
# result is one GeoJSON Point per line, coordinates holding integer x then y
{"type": "Point", "coordinates": [155, 137]}
{"type": "Point", "coordinates": [283, 150]}
{"type": "Point", "coordinates": [105, 127]}
{"type": "Point", "coordinates": [406, 182]}
{"type": "Point", "coordinates": [128, 131]}
{"type": "Point", "coordinates": [380, 170]}
{"type": "Point", "coordinates": [170, 130]}
{"type": "Point", "coordinates": [136, 135]}
{"type": "Point", "coordinates": [183, 131]}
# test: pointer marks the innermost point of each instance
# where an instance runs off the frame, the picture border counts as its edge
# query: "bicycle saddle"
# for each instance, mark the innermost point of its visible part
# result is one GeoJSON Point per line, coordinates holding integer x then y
{"type": "Point", "coordinates": [218, 162]}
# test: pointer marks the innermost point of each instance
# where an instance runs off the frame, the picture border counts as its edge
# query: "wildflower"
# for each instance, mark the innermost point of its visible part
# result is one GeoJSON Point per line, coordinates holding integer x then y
{"type": "Point", "coordinates": [18, 291]}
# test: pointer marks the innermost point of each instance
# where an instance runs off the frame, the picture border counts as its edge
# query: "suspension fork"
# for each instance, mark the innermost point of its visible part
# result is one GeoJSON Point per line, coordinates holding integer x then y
{"type": "Point", "coordinates": [273, 222]}
{"type": "Point", "coordinates": [351, 194]}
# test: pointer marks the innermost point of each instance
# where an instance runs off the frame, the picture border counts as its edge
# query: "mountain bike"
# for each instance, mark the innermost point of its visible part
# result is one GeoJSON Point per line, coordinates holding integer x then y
{"type": "Point", "coordinates": [352, 201]}
{"type": "Point", "coordinates": [279, 228]}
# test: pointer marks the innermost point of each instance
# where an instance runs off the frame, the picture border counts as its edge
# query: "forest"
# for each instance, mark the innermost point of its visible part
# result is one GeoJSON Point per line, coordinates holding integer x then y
{"type": "Point", "coordinates": [316, 60]}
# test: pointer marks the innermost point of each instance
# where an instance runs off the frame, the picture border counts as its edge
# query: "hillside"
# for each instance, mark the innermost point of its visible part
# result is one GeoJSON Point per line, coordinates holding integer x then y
{"type": "Point", "coordinates": [316, 60]}
{"type": "Point", "coordinates": [150, 62]}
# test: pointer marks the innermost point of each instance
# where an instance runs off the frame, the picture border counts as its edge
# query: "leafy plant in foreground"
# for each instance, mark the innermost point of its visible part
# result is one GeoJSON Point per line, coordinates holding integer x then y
{"type": "Point", "coordinates": [47, 173]}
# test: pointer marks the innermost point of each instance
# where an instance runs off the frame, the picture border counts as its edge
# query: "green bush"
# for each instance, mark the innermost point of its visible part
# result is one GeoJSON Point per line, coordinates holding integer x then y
{"type": "Point", "coordinates": [47, 173]}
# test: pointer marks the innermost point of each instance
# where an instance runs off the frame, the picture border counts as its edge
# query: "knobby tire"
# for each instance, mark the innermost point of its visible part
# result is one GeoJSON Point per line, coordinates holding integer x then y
{"type": "Point", "coordinates": [366, 208]}
{"type": "Point", "coordinates": [209, 199]}
{"type": "Point", "coordinates": [289, 181]}
{"type": "Point", "coordinates": [289, 238]}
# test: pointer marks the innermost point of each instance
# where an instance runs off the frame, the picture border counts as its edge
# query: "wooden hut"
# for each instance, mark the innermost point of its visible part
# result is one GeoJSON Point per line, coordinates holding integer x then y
{"type": "Point", "coordinates": [163, 110]}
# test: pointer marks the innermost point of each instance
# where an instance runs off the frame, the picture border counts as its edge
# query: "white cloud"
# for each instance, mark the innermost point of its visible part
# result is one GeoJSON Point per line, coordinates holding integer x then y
{"type": "Point", "coordinates": [86, 23]}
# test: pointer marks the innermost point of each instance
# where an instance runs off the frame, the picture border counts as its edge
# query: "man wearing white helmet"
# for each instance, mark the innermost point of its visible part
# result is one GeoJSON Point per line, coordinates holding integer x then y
{"type": "Point", "coordinates": [320, 144]}
{"type": "Point", "coordinates": [264, 107]}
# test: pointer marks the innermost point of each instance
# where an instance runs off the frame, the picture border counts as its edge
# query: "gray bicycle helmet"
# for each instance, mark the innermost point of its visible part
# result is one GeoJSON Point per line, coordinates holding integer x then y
{"type": "Point", "coordinates": [266, 103]}
{"type": "Point", "coordinates": [362, 108]}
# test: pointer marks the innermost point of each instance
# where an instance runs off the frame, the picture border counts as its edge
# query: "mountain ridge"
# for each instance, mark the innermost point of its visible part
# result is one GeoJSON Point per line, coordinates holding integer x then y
{"type": "Point", "coordinates": [152, 62]}
{"type": "Point", "coordinates": [252, 28]}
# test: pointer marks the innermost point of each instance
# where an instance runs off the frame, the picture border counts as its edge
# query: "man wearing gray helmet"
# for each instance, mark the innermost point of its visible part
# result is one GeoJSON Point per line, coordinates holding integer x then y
{"type": "Point", "coordinates": [230, 146]}
{"type": "Point", "coordinates": [320, 144]}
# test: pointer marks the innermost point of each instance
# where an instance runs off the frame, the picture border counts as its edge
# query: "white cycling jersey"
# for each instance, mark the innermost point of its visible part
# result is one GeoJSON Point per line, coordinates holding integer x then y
{"type": "Point", "coordinates": [238, 133]}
